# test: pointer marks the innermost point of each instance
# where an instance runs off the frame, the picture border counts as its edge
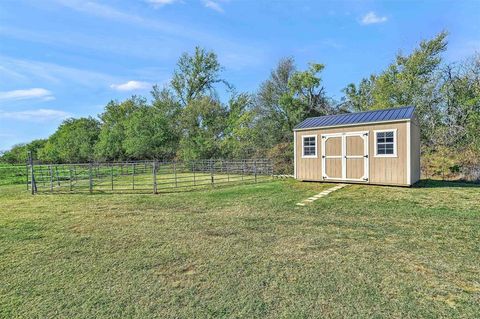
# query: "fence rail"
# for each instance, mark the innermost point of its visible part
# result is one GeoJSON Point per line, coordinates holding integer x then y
{"type": "Point", "coordinates": [144, 176]}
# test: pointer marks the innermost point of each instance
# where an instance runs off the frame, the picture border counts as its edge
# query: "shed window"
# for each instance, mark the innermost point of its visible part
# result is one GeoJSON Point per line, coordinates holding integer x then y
{"type": "Point", "coordinates": [309, 146]}
{"type": "Point", "coordinates": [386, 143]}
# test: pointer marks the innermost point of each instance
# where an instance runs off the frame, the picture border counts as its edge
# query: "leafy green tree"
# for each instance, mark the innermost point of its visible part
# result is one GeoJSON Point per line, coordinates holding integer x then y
{"type": "Point", "coordinates": [287, 98]}
{"type": "Point", "coordinates": [19, 153]}
{"type": "Point", "coordinates": [196, 76]}
{"type": "Point", "coordinates": [113, 132]}
{"type": "Point", "coordinates": [149, 135]}
{"type": "Point", "coordinates": [461, 88]}
{"type": "Point", "coordinates": [203, 123]}
{"type": "Point", "coordinates": [307, 95]}
{"type": "Point", "coordinates": [74, 141]}
{"type": "Point", "coordinates": [237, 141]}
{"type": "Point", "coordinates": [410, 80]}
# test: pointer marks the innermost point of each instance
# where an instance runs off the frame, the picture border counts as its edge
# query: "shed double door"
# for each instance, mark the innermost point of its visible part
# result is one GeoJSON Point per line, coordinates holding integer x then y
{"type": "Point", "coordinates": [345, 156]}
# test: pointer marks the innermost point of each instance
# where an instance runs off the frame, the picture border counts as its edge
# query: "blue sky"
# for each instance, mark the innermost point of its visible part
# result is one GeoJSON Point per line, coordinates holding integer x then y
{"type": "Point", "coordinates": [64, 58]}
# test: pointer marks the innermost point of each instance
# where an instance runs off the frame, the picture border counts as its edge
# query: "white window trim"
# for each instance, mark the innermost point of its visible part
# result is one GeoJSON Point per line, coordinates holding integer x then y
{"type": "Point", "coordinates": [394, 130]}
{"type": "Point", "coordinates": [316, 147]}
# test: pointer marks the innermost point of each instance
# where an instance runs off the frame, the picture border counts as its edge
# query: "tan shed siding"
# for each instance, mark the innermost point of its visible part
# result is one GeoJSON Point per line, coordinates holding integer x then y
{"type": "Point", "coordinates": [308, 168]}
{"type": "Point", "coordinates": [383, 170]}
{"type": "Point", "coordinates": [415, 147]}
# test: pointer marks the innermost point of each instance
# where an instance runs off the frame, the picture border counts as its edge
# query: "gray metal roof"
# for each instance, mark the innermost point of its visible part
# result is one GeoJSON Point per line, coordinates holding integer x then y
{"type": "Point", "coordinates": [393, 114]}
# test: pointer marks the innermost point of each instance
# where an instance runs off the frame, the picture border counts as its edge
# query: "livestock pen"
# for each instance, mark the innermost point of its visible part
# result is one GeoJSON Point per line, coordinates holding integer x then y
{"type": "Point", "coordinates": [144, 176]}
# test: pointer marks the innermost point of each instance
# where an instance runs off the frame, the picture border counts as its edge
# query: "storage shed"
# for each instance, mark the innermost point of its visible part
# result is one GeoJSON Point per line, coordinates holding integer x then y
{"type": "Point", "coordinates": [374, 147]}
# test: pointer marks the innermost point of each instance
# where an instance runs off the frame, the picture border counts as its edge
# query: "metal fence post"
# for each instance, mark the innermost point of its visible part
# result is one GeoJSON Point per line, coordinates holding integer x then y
{"type": "Point", "coordinates": [194, 181]}
{"type": "Point", "coordinates": [255, 170]}
{"type": "Point", "coordinates": [90, 178]}
{"type": "Point", "coordinates": [71, 178]}
{"type": "Point", "coordinates": [51, 177]}
{"type": "Point", "coordinates": [111, 175]}
{"type": "Point", "coordinates": [41, 176]}
{"type": "Point", "coordinates": [211, 173]}
{"type": "Point", "coordinates": [175, 173]}
{"type": "Point", "coordinates": [133, 175]}
{"type": "Point", "coordinates": [32, 177]}
{"type": "Point", "coordinates": [56, 173]}
{"type": "Point", "coordinates": [154, 177]}
{"type": "Point", "coordinates": [28, 172]}
{"type": "Point", "coordinates": [243, 169]}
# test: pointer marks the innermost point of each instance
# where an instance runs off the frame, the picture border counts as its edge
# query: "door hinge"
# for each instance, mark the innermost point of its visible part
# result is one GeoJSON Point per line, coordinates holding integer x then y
{"type": "Point", "coordinates": [365, 134]}
{"type": "Point", "coordinates": [366, 156]}
{"type": "Point", "coordinates": [365, 179]}
{"type": "Point", "coordinates": [323, 156]}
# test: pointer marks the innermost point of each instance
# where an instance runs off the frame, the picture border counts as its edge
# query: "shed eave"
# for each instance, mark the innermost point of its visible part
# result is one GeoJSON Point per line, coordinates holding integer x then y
{"type": "Point", "coordinates": [347, 125]}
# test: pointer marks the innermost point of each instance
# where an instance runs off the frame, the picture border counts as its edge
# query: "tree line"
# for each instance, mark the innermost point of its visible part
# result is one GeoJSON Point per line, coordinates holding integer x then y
{"type": "Point", "coordinates": [187, 119]}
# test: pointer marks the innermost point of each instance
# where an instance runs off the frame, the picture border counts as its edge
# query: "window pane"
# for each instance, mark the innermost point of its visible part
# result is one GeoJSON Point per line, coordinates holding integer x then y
{"type": "Point", "coordinates": [309, 151]}
{"type": "Point", "coordinates": [389, 149]}
{"type": "Point", "coordinates": [309, 146]}
{"type": "Point", "coordinates": [385, 143]}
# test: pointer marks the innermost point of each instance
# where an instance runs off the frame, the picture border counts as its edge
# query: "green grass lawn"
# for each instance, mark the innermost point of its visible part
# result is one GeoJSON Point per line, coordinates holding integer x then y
{"type": "Point", "coordinates": [242, 251]}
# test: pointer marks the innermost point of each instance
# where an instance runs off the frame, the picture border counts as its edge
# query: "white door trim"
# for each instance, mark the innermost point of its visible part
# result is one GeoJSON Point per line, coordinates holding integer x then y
{"type": "Point", "coordinates": [409, 158]}
{"type": "Point", "coordinates": [295, 155]}
{"type": "Point", "coordinates": [364, 136]}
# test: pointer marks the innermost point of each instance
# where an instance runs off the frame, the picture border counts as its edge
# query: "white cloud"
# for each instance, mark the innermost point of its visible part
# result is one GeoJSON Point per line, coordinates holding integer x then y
{"type": "Point", "coordinates": [28, 94]}
{"type": "Point", "coordinates": [372, 18]}
{"type": "Point", "coordinates": [214, 5]}
{"type": "Point", "coordinates": [170, 30]}
{"type": "Point", "coordinates": [161, 3]}
{"type": "Point", "coordinates": [40, 115]}
{"type": "Point", "coordinates": [33, 72]}
{"type": "Point", "coordinates": [131, 86]}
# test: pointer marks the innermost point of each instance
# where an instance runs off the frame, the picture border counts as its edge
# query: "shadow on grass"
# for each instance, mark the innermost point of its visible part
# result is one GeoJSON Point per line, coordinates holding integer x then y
{"type": "Point", "coordinates": [432, 183]}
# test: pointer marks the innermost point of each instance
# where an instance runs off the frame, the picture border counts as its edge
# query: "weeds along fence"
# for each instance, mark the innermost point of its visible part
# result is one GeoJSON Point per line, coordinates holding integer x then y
{"type": "Point", "coordinates": [144, 176]}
